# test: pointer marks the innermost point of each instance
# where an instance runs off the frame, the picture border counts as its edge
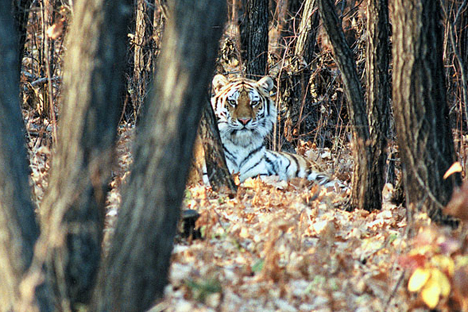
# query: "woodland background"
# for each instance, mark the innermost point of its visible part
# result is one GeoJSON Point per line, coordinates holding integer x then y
{"type": "Point", "coordinates": [270, 246]}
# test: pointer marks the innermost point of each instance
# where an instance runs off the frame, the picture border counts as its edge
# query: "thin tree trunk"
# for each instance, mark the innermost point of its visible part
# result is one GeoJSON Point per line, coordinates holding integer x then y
{"type": "Point", "coordinates": [144, 56]}
{"type": "Point", "coordinates": [135, 271]}
{"type": "Point", "coordinates": [421, 113]}
{"type": "Point", "coordinates": [215, 161]}
{"type": "Point", "coordinates": [378, 95]}
{"type": "Point", "coordinates": [73, 207]}
{"type": "Point", "coordinates": [254, 38]}
{"type": "Point", "coordinates": [361, 187]}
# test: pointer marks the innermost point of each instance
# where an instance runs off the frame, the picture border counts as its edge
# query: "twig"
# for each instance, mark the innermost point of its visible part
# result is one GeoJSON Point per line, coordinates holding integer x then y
{"type": "Point", "coordinates": [394, 290]}
{"type": "Point", "coordinates": [456, 51]}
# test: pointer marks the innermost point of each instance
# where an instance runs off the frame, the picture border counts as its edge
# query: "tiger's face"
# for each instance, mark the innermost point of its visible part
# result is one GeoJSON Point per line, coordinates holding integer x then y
{"type": "Point", "coordinates": [244, 109]}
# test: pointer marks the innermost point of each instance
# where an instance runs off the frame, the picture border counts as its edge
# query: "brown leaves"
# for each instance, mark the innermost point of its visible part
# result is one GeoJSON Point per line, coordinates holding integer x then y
{"type": "Point", "coordinates": [285, 246]}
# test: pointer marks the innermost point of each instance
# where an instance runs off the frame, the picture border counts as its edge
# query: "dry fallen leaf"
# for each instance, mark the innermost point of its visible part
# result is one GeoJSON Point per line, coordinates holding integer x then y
{"type": "Point", "coordinates": [456, 167]}
{"type": "Point", "coordinates": [56, 30]}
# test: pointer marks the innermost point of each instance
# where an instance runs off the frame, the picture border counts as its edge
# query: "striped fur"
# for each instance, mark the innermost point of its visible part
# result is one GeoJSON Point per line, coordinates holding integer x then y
{"type": "Point", "coordinates": [246, 115]}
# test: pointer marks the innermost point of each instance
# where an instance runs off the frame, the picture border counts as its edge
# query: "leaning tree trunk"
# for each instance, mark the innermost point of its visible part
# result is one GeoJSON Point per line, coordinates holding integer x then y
{"type": "Point", "coordinates": [18, 228]}
{"type": "Point", "coordinates": [377, 93]}
{"type": "Point", "coordinates": [254, 38]}
{"type": "Point", "coordinates": [216, 167]}
{"type": "Point", "coordinates": [135, 271]}
{"type": "Point", "coordinates": [73, 207]}
{"type": "Point", "coordinates": [362, 187]}
{"type": "Point", "coordinates": [421, 113]}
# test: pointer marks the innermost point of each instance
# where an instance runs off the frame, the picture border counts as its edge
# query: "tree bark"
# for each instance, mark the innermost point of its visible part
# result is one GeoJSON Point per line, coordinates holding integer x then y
{"type": "Point", "coordinates": [377, 76]}
{"type": "Point", "coordinates": [73, 207]}
{"type": "Point", "coordinates": [306, 39]}
{"type": "Point", "coordinates": [254, 38]}
{"type": "Point", "coordinates": [19, 230]}
{"type": "Point", "coordinates": [135, 271]}
{"type": "Point", "coordinates": [144, 58]}
{"type": "Point", "coordinates": [361, 187]}
{"type": "Point", "coordinates": [215, 160]}
{"type": "Point", "coordinates": [421, 113]}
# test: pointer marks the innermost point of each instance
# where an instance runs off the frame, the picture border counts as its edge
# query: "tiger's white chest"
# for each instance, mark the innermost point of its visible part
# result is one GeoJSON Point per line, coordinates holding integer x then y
{"type": "Point", "coordinates": [247, 161]}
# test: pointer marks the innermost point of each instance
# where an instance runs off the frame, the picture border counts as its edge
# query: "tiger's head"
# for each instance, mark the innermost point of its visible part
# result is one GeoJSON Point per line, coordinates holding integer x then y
{"type": "Point", "coordinates": [244, 109]}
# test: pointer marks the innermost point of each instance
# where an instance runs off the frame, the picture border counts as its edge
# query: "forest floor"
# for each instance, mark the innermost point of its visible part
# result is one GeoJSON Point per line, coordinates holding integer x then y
{"type": "Point", "coordinates": [290, 246]}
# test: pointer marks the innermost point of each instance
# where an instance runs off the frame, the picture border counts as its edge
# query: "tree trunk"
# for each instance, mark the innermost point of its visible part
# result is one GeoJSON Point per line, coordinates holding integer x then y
{"type": "Point", "coordinates": [254, 38]}
{"type": "Point", "coordinates": [215, 161]}
{"type": "Point", "coordinates": [18, 228]}
{"type": "Point", "coordinates": [306, 39]}
{"type": "Point", "coordinates": [135, 271]}
{"type": "Point", "coordinates": [421, 114]}
{"type": "Point", "coordinates": [377, 53]}
{"type": "Point", "coordinates": [73, 207]}
{"type": "Point", "coordinates": [144, 53]}
{"type": "Point", "coordinates": [361, 184]}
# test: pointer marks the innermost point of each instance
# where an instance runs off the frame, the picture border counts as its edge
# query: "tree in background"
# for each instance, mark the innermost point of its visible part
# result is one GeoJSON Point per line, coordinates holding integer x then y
{"type": "Point", "coordinates": [254, 38]}
{"type": "Point", "coordinates": [378, 95]}
{"type": "Point", "coordinates": [421, 112]}
{"type": "Point", "coordinates": [364, 170]}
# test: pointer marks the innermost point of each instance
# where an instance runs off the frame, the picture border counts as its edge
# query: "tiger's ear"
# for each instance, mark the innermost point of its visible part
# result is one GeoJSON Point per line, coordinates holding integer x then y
{"type": "Point", "coordinates": [219, 81]}
{"type": "Point", "coordinates": [266, 83]}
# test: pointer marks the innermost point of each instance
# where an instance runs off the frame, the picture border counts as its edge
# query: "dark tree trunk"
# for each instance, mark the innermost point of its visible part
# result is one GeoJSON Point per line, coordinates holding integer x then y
{"type": "Point", "coordinates": [362, 187]}
{"type": "Point", "coordinates": [73, 207]}
{"type": "Point", "coordinates": [18, 226]}
{"type": "Point", "coordinates": [254, 38]}
{"type": "Point", "coordinates": [144, 56]}
{"type": "Point", "coordinates": [377, 93]}
{"type": "Point", "coordinates": [421, 113]}
{"type": "Point", "coordinates": [135, 271]}
{"type": "Point", "coordinates": [215, 161]}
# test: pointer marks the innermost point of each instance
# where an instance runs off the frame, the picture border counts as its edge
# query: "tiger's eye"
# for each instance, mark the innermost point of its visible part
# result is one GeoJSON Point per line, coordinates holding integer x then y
{"type": "Point", "coordinates": [254, 103]}
{"type": "Point", "coordinates": [232, 102]}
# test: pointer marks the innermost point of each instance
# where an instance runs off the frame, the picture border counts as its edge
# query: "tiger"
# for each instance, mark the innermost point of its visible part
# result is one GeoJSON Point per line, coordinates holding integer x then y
{"type": "Point", "coordinates": [246, 115]}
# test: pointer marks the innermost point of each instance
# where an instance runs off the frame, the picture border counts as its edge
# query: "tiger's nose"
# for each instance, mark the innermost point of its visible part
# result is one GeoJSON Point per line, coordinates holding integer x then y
{"type": "Point", "coordinates": [244, 121]}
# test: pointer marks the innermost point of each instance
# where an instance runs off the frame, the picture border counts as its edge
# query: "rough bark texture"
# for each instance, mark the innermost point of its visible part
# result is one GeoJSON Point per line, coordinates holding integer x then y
{"type": "Point", "coordinates": [377, 93]}
{"type": "Point", "coordinates": [73, 207]}
{"type": "Point", "coordinates": [215, 161]}
{"type": "Point", "coordinates": [361, 187]}
{"type": "Point", "coordinates": [298, 81]}
{"type": "Point", "coordinates": [144, 59]}
{"type": "Point", "coordinates": [421, 114]}
{"type": "Point", "coordinates": [135, 271]}
{"type": "Point", "coordinates": [254, 38]}
{"type": "Point", "coordinates": [307, 32]}
{"type": "Point", "coordinates": [18, 228]}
